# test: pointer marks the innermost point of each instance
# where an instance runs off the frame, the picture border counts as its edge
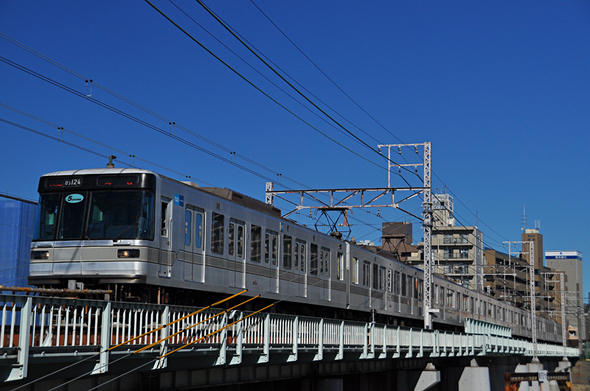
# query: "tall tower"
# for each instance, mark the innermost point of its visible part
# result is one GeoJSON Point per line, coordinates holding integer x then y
{"type": "Point", "coordinates": [533, 235]}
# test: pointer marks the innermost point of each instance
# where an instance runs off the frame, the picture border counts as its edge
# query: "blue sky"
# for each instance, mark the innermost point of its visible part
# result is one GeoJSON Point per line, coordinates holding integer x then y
{"type": "Point", "coordinates": [501, 89]}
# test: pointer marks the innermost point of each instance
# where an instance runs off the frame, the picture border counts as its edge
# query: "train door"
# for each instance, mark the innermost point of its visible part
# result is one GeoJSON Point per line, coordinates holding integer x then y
{"type": "Point", "coordinates": [236, 253]}
{"type": "Point", "coordinates": [166, 253]}
{"type": "Point", "coordinates": [193, 244]}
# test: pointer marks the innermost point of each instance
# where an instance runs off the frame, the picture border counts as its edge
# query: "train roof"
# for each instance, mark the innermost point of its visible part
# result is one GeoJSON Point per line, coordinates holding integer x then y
{"type": "Point", "coordinates": [98, 171]}
{"type": "Point", "coordinates": [243, 199]}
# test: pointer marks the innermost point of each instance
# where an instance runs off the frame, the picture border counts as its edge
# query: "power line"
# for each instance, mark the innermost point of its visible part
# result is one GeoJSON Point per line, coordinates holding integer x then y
{"type": "Point", "coordinates": [323, 73]}
{"type": "Point", "coordinates": [230, 30]}
{"type": "Point", "coordinates": [256, 87]}
{"type": "Point", "coordinates": [151, 112]}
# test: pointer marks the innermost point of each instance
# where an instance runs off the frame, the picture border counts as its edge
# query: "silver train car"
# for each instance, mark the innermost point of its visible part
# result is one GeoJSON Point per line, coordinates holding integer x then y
{"type": "Point", "coordinates": [150, 238]}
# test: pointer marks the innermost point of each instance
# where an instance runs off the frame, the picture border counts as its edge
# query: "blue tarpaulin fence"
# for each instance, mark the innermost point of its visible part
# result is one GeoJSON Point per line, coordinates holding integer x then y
{"type": "Point", "coordinates": [17, 223]}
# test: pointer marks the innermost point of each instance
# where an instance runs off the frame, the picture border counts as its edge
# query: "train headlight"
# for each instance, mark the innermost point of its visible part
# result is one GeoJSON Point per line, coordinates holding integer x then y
{"type": "Point", "coordinates": [40, 255]}
{"type": "Point", "coordinates": [128, 253]}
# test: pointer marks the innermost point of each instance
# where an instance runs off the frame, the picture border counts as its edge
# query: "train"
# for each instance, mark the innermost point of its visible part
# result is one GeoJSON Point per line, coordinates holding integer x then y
{"type": "Point", "coordinates": [149, 238]}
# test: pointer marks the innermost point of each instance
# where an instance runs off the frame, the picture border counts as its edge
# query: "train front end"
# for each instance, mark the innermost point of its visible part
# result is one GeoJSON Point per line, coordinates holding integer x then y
{"type": "Point", "coordinates": [94, 228]}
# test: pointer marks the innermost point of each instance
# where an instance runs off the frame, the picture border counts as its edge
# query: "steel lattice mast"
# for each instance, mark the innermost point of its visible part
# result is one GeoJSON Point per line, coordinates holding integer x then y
{"type": "Point", "coordinates": [427, 236]}
{"type": "Point", "coordinates": [427, 220]}
{"type": "Point", "coordinates": [342, 205]}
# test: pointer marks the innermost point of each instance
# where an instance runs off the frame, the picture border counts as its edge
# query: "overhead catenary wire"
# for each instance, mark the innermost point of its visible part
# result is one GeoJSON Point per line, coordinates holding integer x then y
{"type": "Point", "coordinates": [151, 112]}
{"type": "Point", "coordinates": [261, 91]}
{"type": "Point", "coordinates": [143, 108]}
{"type": "Point", "coordinates": [109, 147]}
{"type": "Point", "coordinates": [289, 76]}
{"type": "Point", "coordinates": [120, 97]}
{"type": "Point", "coordinates": [264, 76]}
{"type": "Point", "coordinates": [60, 139]}
{"type": "Point", "coordinates": [323, 73]}
{"type": "Point", "coordinates": [230, 30]}
{"type": "Point", "coordinates": [82, 77]}
{"type": "Point", "coordinates": [258, 88]}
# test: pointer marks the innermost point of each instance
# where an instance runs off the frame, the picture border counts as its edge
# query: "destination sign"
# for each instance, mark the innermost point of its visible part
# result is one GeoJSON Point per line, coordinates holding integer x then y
{"type": "Point", "coordinates": [63, 182]}
{"type": "Point", "coordinates": [117, 181]}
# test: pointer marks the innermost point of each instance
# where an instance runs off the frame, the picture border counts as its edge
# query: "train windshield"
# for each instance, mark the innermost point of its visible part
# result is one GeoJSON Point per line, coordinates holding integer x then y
{"type": "Point", "coordinates": [113, 214]}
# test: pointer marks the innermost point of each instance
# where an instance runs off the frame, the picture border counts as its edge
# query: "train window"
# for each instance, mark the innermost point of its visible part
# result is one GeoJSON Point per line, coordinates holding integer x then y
{"type": "Point", "coordinates": [164, 229]}
{"type": "Point", "coordinates": [198, 230]}
{"type": "Point", "coordinates": [270, 247]}
{"type": "Point", "coordinates": [188, 223]}
{"type": "Point", "coordinates": [217, 229]}
{"type": "Point", "coordinates": [255, 243]}
{"type": "Point", "coordinates": [442, 296]}
{"type": "Point", "coordinates": [340, 267]}
{"type": "Point", "coordinates": [471, 307]}
{"type": "Point", "coordinates": [47, 216]}
{"type": "Point", "coordinates": [230, 238]}
{"type": "Point", "coordinates": [381, 278]}
{"type": "Point", "coordinates": [302, 265]}
{"type": "Point", "coordinates": [275, 249]}
{"type": "Point", "coordinates": [72, 216]}
{"type": "Point", "coordinates": [404, 285]}
{"type": "Point", "coordinates": [396, 283]}
{"type": "Point", "coordinates": [296, 256]}
{"type": "Point", "coordinates": [122, 214]}
{"type": "Point", "coordinates": [420, 289]}
{"type": "Point", "coordinates": [287, 252]}
{"type": "Point", "coordinates": [355, 270]}
{"type": "Point", "coordinates": [465, 303]}
{"type": "Point", "coordinates": [389, 281]}
{"type": "Point", "coordinates": [266, 247]}
{"type": "Point", "coordinates": [325, 262]}
{"type": "Point", "coordinates": [375, 276]}
{"type": "Point", "coordinates": [313, 261]}
{"type": "Point", "coordinates": [366, 273]}
{"type": "Point", "coordinates": [409, 280]}
{"type": "Point", "coordinates": [240, 243]}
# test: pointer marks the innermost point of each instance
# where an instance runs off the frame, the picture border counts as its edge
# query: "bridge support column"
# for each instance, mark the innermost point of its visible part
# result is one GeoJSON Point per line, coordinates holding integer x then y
{"type": "Point", "coordinates": [475, 378]}
{"type": "Point", "coordinates": [429, 377]}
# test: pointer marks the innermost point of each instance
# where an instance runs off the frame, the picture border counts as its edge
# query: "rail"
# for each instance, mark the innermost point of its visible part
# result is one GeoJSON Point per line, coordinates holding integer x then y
{"type": "Point", "coordinates": [44, 327]}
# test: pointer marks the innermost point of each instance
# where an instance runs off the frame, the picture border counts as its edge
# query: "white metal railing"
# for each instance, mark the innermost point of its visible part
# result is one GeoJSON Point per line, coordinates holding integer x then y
{"type": "Point", "coordinates": [32, 325]}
